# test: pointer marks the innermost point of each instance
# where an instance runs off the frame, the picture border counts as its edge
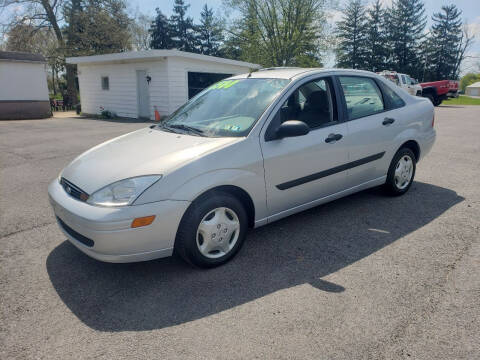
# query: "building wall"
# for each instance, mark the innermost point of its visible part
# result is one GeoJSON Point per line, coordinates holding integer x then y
{"type": "Point", "coordinates": [23, 90]}
{"type": "Point", "coordinates": [18, 110]}
{"type": "Point", "coordinates": [473, 91]}
{"type": "Point", "coordinates": [178, 69]}
{"type": "Point", "coordinates": [121, 98]}
{"type": "Point", "coordinates": [23, 81]}
{"type": "Point", "coordinates": [168, 87]}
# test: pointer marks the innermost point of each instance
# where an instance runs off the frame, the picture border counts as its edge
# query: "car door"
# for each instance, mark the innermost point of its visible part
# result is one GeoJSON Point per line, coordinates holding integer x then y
{"type": "Point", "coordinates": [373, 124]}
{"type": "Point", "coordinates": [301, 169]}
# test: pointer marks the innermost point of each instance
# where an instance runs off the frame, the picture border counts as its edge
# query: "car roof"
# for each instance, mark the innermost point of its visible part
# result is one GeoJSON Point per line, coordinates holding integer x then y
{"type": "Point", "coordinates": [291, 73]}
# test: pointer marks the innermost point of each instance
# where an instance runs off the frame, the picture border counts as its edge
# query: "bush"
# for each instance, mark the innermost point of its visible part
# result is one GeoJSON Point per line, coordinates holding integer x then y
{"type": "Point", "coordinates": [106, 114]}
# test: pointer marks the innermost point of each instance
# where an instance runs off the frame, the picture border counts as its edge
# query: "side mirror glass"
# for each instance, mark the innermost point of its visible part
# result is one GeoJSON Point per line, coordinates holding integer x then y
{"type": "Point", "coordinates": [292, 128]}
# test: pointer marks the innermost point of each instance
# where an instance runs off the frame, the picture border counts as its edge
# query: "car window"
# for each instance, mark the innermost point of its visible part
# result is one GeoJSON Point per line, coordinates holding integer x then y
{"type": "Point", "coordinates": [362, 95]}
{"type": "Point", "coordinates": [227, 108]}
{"type": "Point", "coordinates": [404, 79]}
{"type": "Point", "coordinates": [392, 100]}
{"type": "Point", "coordinates": [313, 103]}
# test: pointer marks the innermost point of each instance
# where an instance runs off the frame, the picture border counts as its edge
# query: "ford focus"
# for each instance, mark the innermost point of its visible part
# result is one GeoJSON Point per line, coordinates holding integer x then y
{"type": "Point", "coordinates": [244, 152]}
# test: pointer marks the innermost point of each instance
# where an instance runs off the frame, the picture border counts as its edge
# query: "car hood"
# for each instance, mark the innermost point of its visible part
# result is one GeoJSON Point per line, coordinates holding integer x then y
{"type": "Point", "coordinates": [142, 152]}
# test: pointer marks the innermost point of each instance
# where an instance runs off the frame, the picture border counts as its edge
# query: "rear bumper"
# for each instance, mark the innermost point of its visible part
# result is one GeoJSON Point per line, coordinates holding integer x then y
{"type": "Point", "coordinates": [426, 143]}
{"type": "Point", "coordinates": [109, 229]}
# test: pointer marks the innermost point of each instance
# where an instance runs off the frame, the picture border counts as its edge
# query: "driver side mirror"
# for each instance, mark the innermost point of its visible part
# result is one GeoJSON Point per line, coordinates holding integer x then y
{"type": "Point", "coordinates": [292, 128]}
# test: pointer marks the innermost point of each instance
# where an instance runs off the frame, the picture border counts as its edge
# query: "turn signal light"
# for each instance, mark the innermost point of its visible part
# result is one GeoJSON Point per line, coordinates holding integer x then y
{"type": "Point", "coordinates": [142, 221]}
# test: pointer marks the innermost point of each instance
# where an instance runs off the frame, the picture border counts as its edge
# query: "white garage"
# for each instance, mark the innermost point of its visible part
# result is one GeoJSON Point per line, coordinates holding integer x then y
{"type": "Point", "coordinates": [473, 90]}
{"type": "Point", "coordinates": [134, 84]}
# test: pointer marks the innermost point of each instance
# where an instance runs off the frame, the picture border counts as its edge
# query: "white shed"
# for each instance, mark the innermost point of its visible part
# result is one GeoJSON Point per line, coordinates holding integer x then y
{"type": "Point", "coordinates": [23, 86]}
{"type": "Point", "coordinates": [473, 90]}
{"type": "Point", "coordinates": [134, 84]}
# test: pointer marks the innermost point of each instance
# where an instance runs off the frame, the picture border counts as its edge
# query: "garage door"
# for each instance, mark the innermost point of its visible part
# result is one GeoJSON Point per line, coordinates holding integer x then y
{"type": "Point", "coordinates": [197, 81]}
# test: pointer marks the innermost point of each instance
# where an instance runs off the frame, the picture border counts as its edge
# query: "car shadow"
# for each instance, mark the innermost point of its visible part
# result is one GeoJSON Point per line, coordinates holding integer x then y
{"type": "Point", "coordinates": [297, 250]}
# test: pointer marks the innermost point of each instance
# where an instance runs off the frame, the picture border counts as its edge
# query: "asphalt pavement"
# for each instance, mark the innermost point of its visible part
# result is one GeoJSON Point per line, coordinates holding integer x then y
{"type": "Point", "coordinates": [364, 277]}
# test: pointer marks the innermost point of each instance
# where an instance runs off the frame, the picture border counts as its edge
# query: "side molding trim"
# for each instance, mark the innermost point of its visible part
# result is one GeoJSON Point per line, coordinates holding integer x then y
{"type": "Point", "coordinates": [325, 173]}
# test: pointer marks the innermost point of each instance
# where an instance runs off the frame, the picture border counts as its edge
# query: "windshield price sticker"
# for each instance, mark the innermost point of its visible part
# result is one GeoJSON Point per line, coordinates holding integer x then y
{"type": "Point", "coordinates": [224, 84]}
{"type": "Point", "coordinates": [232, 127]}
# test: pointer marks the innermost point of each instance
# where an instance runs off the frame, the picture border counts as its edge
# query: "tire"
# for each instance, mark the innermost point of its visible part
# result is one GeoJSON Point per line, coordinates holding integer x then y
{"type": "Point", "coordinates": [430, 97]}
{"type": "Point", "coordinates": [212, 230]}
{"type": "Point", "coordinates": [438, 102]}
{"type": "Point", "coordinates": [399, 180]}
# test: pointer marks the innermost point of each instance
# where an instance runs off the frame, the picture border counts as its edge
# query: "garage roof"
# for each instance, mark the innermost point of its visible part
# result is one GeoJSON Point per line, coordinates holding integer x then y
{"type": "Point", "coordinates": [20, 56]}
{"type": "Point", "coordinates": [474, 85]}
{"type": "Point", "coordinates": [134, 56]}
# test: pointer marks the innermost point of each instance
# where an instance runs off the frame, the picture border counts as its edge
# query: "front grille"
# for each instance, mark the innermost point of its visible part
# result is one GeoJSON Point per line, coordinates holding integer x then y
{"type": "Point", "coordinates": [79, 237]}
{"type": "Point", "coordinates": [73, 190]}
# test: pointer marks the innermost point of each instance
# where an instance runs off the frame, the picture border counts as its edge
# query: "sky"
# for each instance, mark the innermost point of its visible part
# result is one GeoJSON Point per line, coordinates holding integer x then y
{"type": "Point", "coordinates": [470, 14]}
{"type": "Point", "coordinates": [470, 9]}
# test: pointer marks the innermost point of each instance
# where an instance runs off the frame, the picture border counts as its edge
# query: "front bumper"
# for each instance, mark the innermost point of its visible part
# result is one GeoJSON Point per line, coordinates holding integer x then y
{"type": "Point", "coordinates": [109, 227]}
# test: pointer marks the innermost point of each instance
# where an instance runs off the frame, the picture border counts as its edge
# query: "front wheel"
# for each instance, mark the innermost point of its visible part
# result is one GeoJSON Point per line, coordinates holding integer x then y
{"type": "Point", "coordinates": [401, 172]}
{"type": "Point", "coordinates": [212, 230]}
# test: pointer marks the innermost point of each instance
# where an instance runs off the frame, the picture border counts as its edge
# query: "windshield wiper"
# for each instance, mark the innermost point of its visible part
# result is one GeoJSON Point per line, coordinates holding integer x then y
{"type": "Point", "coordinates": [161, 127]}
{"type": "Point", "coordinates": [186, 128]}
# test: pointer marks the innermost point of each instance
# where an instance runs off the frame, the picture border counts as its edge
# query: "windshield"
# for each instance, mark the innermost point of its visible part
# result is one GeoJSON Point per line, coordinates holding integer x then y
{"type": "Point", "coordinates": [227, 108]}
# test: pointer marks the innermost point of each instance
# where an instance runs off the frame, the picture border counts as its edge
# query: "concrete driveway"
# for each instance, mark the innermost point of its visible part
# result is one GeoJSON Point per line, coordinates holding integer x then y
{"type": "Point", "coordinates": [367, 276]}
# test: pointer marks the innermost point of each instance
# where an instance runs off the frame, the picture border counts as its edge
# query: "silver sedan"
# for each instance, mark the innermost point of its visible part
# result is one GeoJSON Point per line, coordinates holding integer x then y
{"type": "Point", "coordinates": [244, 152]}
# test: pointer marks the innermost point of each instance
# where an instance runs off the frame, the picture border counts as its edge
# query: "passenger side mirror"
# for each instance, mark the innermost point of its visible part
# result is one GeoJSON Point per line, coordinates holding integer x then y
{"type": "Point", "coordinates": [292, 128]}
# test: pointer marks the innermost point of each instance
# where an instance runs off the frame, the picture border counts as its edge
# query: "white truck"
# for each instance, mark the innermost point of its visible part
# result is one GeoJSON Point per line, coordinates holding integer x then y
{"type": "Point", "coordinates": [404, 81]}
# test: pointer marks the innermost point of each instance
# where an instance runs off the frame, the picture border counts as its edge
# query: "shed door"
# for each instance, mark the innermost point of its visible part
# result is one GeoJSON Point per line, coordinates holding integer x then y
{"type": "Point", "coordinates": [143, 95]}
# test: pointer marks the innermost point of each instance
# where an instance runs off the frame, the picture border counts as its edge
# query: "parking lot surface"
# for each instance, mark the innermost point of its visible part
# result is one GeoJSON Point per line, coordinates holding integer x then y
{"type": "Point", "coordinates": [364, 277]}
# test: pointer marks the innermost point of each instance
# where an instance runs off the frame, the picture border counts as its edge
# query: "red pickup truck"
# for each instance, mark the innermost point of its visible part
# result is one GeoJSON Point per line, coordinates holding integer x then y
{"type": "Point", "coordinates": [437, 91]}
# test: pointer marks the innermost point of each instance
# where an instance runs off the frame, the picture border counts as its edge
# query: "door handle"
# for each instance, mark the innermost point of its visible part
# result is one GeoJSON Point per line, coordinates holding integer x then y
{"type": "Point", "coordinates": [333, 138]}
{"type": "Point", "coordinates": [388, 121]}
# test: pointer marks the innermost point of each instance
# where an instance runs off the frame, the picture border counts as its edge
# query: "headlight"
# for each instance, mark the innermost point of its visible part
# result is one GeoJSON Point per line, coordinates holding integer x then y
{"type": "Point", "coordinates": [123, 192]}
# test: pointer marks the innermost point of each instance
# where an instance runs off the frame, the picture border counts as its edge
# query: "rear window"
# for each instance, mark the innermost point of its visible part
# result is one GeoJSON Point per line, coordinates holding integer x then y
{"type": "Point", "coordinates": [392, 100]}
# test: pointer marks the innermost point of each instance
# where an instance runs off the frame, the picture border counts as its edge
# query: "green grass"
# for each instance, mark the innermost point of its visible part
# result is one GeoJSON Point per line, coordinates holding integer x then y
{"type": "Point", "coordinates": [462, 100]}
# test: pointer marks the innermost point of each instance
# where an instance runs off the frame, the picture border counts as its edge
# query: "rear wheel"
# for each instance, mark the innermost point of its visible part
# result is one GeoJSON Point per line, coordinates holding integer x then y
{"type": "Point", "coordinates": [212, 230]}
{"type": "Point", "coordinates": [401, 172]}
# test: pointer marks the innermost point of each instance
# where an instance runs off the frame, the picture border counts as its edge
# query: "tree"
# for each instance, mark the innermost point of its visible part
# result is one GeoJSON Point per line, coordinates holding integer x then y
{"type": "Point", "coordinates": [443, 43]}
{"type": "Point", "coordinates": [464, 44]}
{"type": "Point", "coordinates": [96, 27]}
{"type": "Point", "coordinates": [352, 31]}
{"type": "Point", "coordinates": [140, 32]}
{"type": "Point", "coordinates": [279, 32]}
{"type": "Point", "coordinates": [210, 33]}
{"type": "Point", "coordinates": [243, 38]}
{"type": "Point", "coordinates": [161, 32]}
{"type": "Point", "coordinates": [376, 38]}
{"type": "Point", "coordinates": [407, 20]}
{"type": "Point", "coordinates": [182, 28]}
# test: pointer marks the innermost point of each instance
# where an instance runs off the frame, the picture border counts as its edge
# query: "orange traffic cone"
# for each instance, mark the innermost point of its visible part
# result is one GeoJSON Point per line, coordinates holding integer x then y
{"type": "Point", "coordinates": [157, 114]}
